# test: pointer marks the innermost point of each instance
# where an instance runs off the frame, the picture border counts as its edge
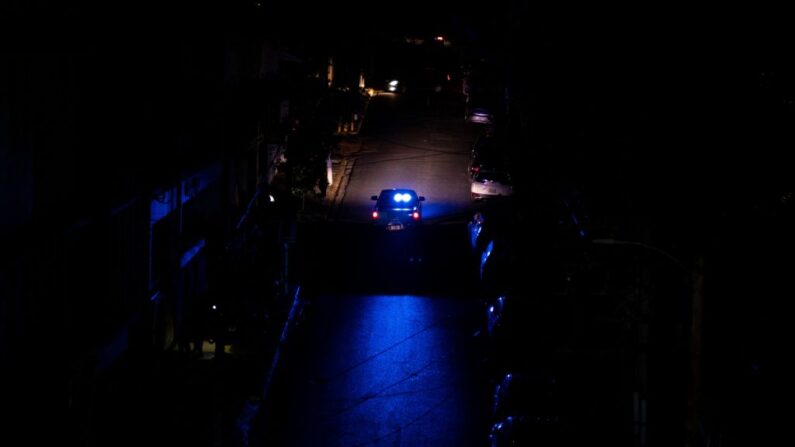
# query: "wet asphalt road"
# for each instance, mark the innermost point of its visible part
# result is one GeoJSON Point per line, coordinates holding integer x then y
{"type": "Point", "coordinates": [384, 353]}
{"type": "Point", "coordinates": [426, 150]}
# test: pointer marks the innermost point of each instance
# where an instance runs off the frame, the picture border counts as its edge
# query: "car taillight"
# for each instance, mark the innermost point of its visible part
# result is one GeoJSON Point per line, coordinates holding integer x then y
{"type": "Point", "coordinates": [416, 215]}
{"type": "Point", "coordinates": [375, 214]}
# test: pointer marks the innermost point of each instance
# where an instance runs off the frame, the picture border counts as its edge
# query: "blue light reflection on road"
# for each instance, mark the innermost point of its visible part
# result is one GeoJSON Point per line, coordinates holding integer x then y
{"type": "Point", "coordinates": [390, 372]}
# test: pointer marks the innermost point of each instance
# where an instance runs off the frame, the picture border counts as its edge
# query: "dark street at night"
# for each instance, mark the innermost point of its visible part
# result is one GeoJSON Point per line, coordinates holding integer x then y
{"type": "Point", "coordinates": [252, 223]}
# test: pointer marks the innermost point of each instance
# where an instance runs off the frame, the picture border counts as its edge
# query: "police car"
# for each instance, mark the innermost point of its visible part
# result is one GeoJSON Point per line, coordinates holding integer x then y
{"type": "Point", "coordinates": [395, 209]}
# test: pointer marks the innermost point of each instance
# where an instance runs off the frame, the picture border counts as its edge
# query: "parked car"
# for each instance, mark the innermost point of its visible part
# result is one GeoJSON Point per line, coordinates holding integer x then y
{"type": "Point", "coordinates": [527, 431]}
{"type": "Point", "coordinates": [487, 141]}
{"type": "Point", "coordinates": [483, 161]}
{"type": "Point", "coordinates": [488, 184]}
{"type": "Point", "coordinates": [493, 219]}
{"type": "Point", "coordinates": [486, 155]}
{"type": "Point", "coordinates": [479, 112]}
{"type": "Point", "coordinates": [534, 393]}
{"type": "Point", "coordinates": [496, 262]}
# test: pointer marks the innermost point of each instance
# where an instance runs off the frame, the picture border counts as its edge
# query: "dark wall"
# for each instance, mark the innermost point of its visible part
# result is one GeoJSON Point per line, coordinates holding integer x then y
{"type": "Point", "coordinates": [103, 105]}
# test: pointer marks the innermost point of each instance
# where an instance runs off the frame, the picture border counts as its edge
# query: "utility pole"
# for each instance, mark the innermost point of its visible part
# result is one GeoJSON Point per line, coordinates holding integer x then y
{"type": "Point", "coordinates": [287, 236]}
{"type": "Point", "coordinates": [179, 308]}
{"type": "Point", "coordinates": [643, 317]}
{"type": "Point", "coordinates": [694, 391]}
{"type": "Point", "coordinates": [696, 277]}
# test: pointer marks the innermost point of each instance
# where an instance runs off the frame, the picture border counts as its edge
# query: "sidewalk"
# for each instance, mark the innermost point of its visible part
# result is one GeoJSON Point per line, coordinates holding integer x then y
{"type": "Point", "coordinates": [317, 209]}
{"type": "Point", "coordinates": [341, 172]}
{"type": "Point", "coordinates": [177, 398]}
{"type": "Point", "coordinates": [342, 162]}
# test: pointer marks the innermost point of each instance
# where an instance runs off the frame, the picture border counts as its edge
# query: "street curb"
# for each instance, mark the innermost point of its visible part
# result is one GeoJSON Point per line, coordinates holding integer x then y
{"type": "Point", "coordinates": [343, 186]}
{"type": "Point", "coordinates": [282, 340]}
{"type": "Point", "coordinates": [347, 168]}
{"type": "Point", "coordinates": [252, 409]}
{"type": "Point", "coordinates": [364, 114]}
{"type": "Point", "coordinates": [338, 185]}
